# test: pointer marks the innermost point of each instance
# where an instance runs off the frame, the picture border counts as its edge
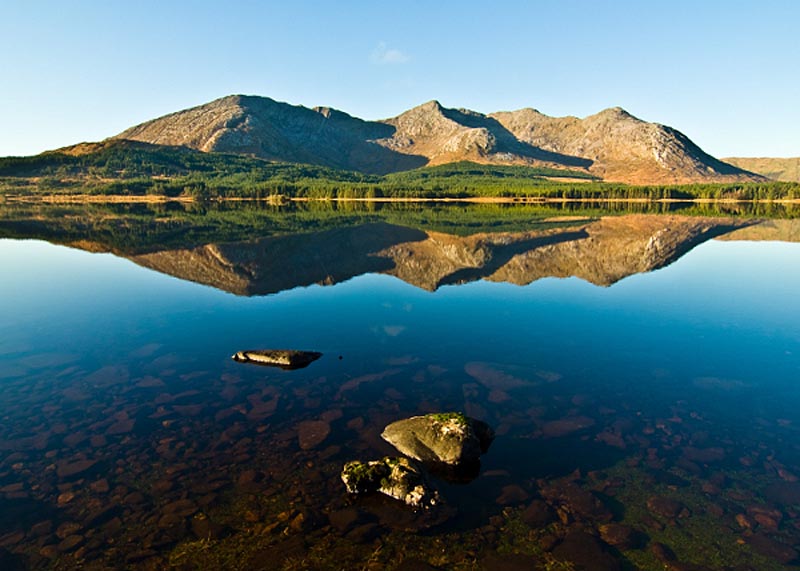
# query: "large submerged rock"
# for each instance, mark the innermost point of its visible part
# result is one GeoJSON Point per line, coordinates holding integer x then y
{"type": "Point", "coordinates": [399, 478]}
{"type": "Point", "coordinates": [448, 438]}
{"type": "Point", "coordinates": [284, 358]}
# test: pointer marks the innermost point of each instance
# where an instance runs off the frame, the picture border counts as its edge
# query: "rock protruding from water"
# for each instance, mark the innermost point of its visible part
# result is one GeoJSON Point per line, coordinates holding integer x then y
{"type": "Point", "coordinates": [289, 359]}
{"type": "Point", "coordinates": [399, 478]}
{"type": "Point", "coordinates": [448, 438]}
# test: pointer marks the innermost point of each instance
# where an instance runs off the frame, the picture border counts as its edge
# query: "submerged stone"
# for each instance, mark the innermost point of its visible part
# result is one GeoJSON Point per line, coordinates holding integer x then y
{"type": "Point", "coordinates": [449, 438]}
{"type": "Point", "coordinates": [666, 507]}
{"type": "Point", "coordinates": [67, 469]}
{"type": "Point", "coordinates": [772, 548]}
{"type": "Point", "coordinates": [586, 553]}
{"type": "Point", "coordinates": [311, 433]}
{"type": "Point", "coordinates": [284, 358]}
{"type": "Point", "coordinates": [538, 514]}
{"type": "Point", "coordinates": [510, 562]}
{"type": "Point", "coordinates": [621, 536]}
{"type": "Point", "coordinates": [566, 426]}
{"type": "Point", "coordinates": [399, 478]}
{"type": "Point", "coordinates": [783, 493]}
{"type": "Point", "coordinates": [577, 501]}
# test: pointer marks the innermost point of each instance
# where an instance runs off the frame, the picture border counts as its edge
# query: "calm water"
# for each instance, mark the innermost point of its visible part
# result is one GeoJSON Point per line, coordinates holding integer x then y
{"type": "Point", "coordinates": [662, 407]}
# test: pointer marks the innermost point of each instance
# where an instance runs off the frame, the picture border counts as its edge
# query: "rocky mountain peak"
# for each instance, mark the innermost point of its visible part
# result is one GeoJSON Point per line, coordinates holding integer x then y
{"type": "Point", "coordinates": [616, 113]}
{"type": "Point", "coordinates": [612, 144]}
{"type": "Point", "coordinates": [432, 106]}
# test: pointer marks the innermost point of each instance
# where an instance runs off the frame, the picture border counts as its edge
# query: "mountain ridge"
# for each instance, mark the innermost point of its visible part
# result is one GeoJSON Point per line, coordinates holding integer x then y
{"type": "Point", "coordinates": [612, 144]}
{"type": "Point", "coordinates": [776, 168]}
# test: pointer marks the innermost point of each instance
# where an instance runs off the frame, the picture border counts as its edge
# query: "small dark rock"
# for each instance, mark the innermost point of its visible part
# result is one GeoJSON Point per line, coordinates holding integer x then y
{"type": "Point", "coordinates": [203, 528]}
{"type": "Point", "coordinates": [549, 541]}
{"type": "Point", "coordinates": [134, 498]}
{"type": "Point", "coordinates": [180, 508]}
{"type": "Point", "coordinates": [301, 523]}
{"type": "Point", "coordinates": [715, 510]}
{"type": "Point", "coordinates": [101, 515]}
{"type": "Point", "coordinates": [67, 528]}
{"type": "Point", "coordinates": [250, 478]}
{"type": "Point", "coordinates": [621, 536]}
{"type": "Point", "coordinates": [652, 523]}
{"type": "Point", "coordinates": [510, 562]}
{"type": "Point", "coordinates": [512, 494]}
{"type": "Point", "coordinates": [681, 566]}
{"type": "Point", "coordinates": [662, 552]}
{"type": "Point", "coordinates": [121, 427]}
{"type": "Point", "coordinates": [586, 553]}
{"type": "Point", "coordinates": [665, 507]}
{"type": "Point", "coordinates": [345, 519]}
{"type": "Point", "coordinates": [67, 469]}
{"type": "Point", "coordinates": [11, 539]}
{"type": "Point", "coordinates": [100, 486]}
{"type": "Point", "coordinates": [69, 543]}
{"type": "Point", "coordinates": [772, 548]}
{"type": "Point", "coordinates": [784, 493]}
{"type": "Point", "coordinates": [704, 455]}
{"type": "Point", "coordinates": [364, 533]}
{"type": "Point", "coordinates": [49, 552]}
{"type": "Point", "coordinates": [414, 564]}
{"type": "Point", "coordinates": [41, 529]}
{"type": "Point", "coordinates": [139, 556]}
{"type": "Point", "coordinates": [566, 426]}
{"type": "Point", "coordinates": [667, 478]}
{"type": "Point", "coordinates": [312, 433]}
{"type": "Point", "coordinates": [538, 514]}
{"type": "Point", "coordinates": [579, 501]}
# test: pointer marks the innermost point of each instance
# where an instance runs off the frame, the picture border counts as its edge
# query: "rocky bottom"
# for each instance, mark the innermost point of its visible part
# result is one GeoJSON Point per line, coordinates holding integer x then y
{"type": "Point", "coordinates": [172, 466]}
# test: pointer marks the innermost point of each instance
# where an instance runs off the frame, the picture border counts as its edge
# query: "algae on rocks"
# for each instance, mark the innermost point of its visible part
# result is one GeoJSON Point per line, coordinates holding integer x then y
{"type": "Point", "coordinates": [399, 478]}
{"type": "Point", "coordinates": [448, 438]}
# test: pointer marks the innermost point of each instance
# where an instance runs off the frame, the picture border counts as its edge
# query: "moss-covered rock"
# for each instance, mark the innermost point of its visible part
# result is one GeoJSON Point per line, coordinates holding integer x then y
{"type": "Point", "coordinates": [399, 478]}
{"type": "Point", "coordinates": [449, 438]}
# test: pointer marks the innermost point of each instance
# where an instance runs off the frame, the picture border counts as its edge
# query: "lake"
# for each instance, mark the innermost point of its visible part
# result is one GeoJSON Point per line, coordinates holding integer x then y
{"type": "Point", "coordinates": [640, 371]}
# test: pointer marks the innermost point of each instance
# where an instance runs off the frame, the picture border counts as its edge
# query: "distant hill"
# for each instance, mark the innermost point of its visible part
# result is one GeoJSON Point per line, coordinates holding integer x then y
{"type": "Point", "coordinates": [612, 144]}
{"type": "Point", "coordinates": [787, 170]}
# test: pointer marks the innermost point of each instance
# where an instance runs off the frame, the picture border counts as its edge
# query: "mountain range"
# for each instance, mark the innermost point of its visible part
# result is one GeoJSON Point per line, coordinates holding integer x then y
{"type": "Point", "coordinates": [612, 144]}
{"type": "Point", "coordinates": [783, 169]}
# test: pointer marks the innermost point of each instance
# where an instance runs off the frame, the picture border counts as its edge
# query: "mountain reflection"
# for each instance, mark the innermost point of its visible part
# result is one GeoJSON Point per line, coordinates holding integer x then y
{"type": "Point", "coordinates": [252, 249]}
{"type": "Point", "coordinates": [599, 251]}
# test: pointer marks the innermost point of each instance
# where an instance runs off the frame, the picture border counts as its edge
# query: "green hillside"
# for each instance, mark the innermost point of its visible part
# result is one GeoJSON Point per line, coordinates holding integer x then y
{"type": "Point", "coordinates": [127, 168]}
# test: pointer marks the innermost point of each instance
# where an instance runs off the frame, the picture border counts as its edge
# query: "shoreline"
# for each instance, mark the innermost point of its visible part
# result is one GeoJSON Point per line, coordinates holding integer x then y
{"type": "Point", "coordinates": [277, 201]}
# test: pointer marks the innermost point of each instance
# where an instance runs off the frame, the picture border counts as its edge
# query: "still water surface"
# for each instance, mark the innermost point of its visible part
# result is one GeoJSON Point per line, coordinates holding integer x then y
{"type": "Point", "coordinates": [662, 408]}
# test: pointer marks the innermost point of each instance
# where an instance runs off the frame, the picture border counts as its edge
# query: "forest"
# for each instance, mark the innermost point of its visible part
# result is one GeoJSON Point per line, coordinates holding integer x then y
{"type": "Point", "coordinates": [127, 168]}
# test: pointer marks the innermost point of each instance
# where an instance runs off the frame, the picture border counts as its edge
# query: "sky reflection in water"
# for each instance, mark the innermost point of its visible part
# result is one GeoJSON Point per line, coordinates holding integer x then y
{"type": "Point", "coordinates": [713, 334]}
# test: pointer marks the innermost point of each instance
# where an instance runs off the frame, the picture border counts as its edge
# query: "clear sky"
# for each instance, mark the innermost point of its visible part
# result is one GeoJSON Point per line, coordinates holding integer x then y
{"type": "Point", "coordinates": [725, 73]}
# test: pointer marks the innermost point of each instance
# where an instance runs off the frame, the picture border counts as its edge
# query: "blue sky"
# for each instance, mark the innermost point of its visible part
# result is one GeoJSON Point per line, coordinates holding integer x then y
{"type": "Point", "coordinates": [725, 73]}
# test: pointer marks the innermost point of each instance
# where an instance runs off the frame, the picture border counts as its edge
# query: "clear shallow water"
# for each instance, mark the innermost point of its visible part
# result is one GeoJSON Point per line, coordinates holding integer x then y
{"type": "Point", "coordinates": [126, 427]}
